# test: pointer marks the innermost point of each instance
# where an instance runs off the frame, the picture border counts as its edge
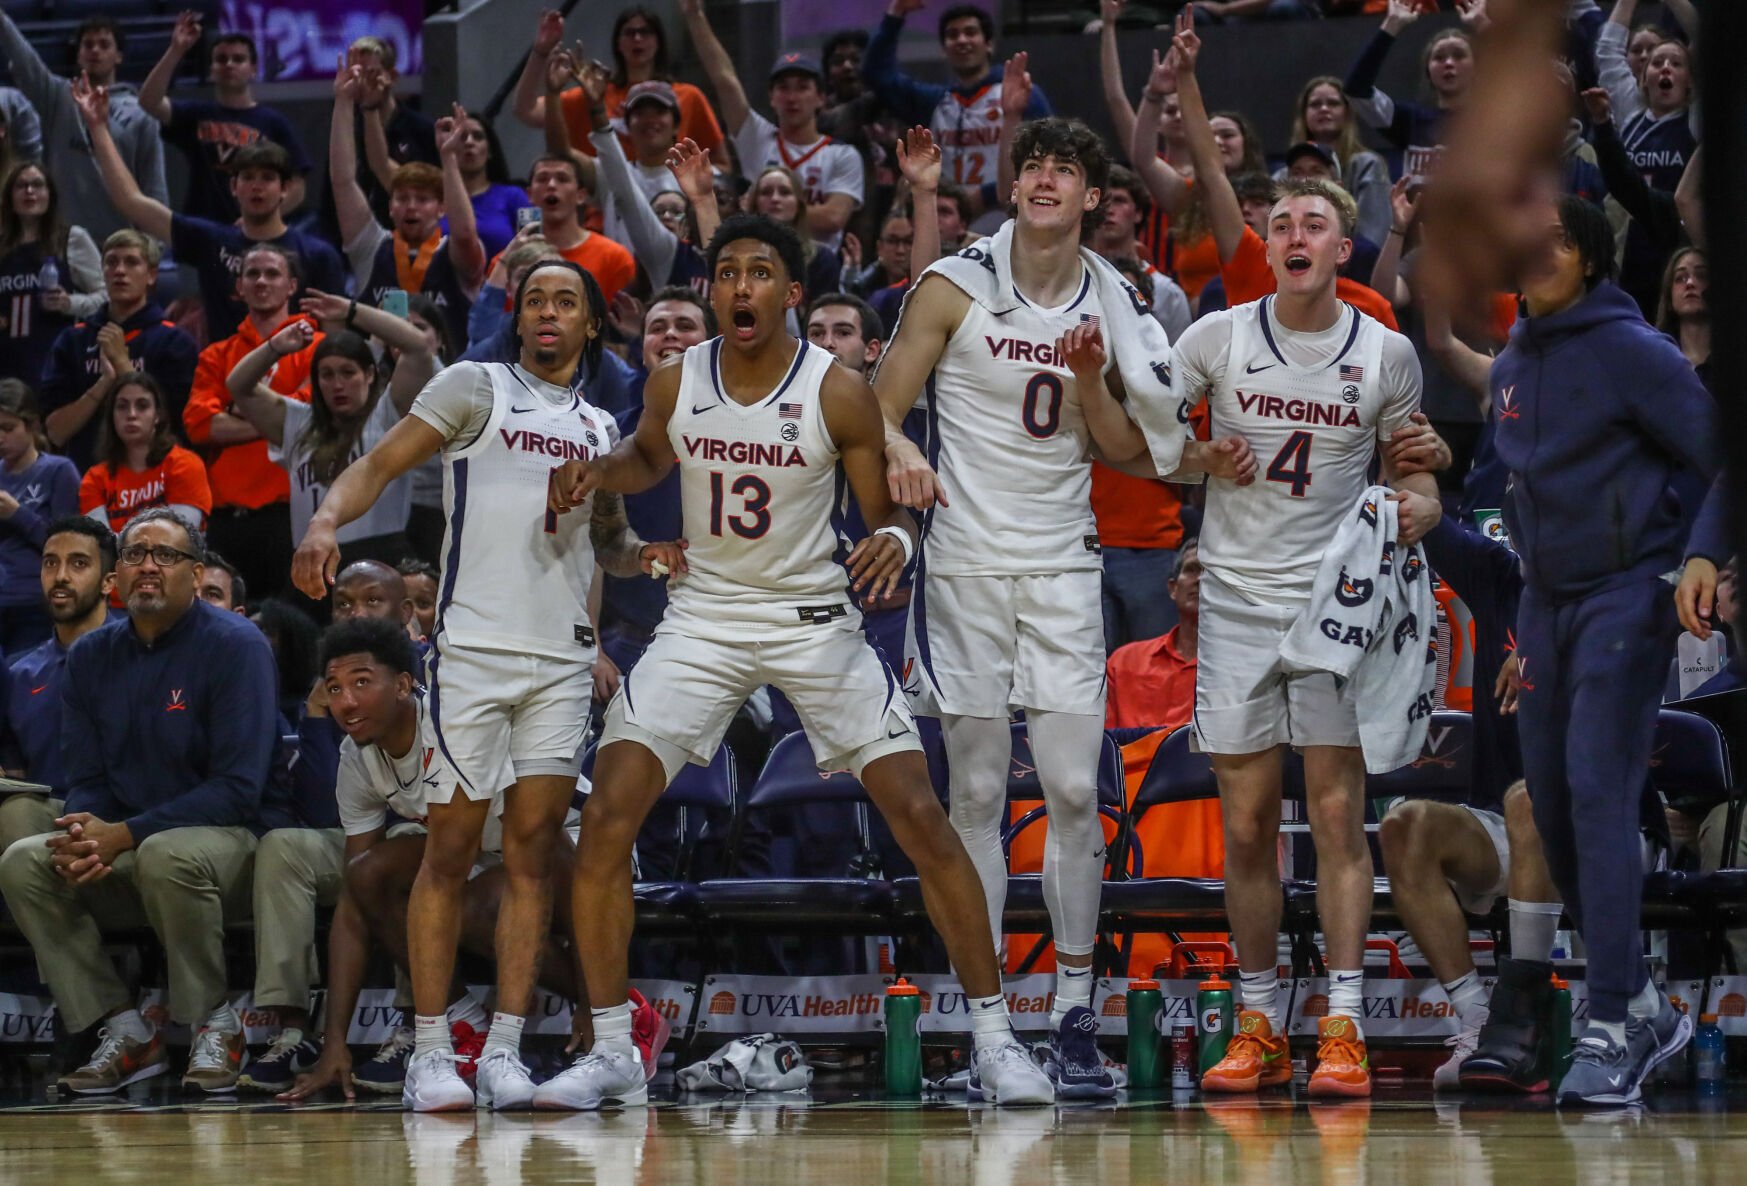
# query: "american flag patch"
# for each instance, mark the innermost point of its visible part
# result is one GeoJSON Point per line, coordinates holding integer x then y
{"type": "Point", "coordinates": [789, 411]}
{"type": "Point", "coordinates": [1089, 319]}
{"type": "Point", "coordinates": [1352, 374]}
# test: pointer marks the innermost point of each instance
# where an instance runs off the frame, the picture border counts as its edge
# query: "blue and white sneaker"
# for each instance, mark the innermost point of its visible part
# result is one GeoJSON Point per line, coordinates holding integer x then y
{"type": "Point", "coordinates": [289, 1055]}
{"type": "Point", "coordinates": [1605, 1074]}
{"type": "Point", "coordinates": [1072, 1060]}
{"type": "Point", "coordinates": [385, 1072]}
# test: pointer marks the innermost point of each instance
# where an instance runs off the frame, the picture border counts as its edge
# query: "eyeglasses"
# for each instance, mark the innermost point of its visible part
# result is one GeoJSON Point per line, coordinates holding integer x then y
{"type": "Point", "coordinates": [163, 556]}
{"type": "Point", "coordinates": [30, 183]}
{"type": "Point", "coordinates": [636, 31]}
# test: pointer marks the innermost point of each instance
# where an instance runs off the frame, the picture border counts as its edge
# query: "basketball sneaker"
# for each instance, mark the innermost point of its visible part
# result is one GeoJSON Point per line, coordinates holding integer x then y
{"type": "Point", "coordinates": [1448, 1076]}
{"type": "Point", "coordinates": [433, 1084]}
{"type": "Point", "coordinates": [649, 1032]}
{"type": "Point", "coordinates": [1604, 1073]}
{"type": "Point", "coordinates": [1342, 1066]}
{"type": "Point", "coordinates": [1007, 1075]}
{"type": "Point", "coordinates": [600, 1078]}
{"type": "Point", "coordinates": [385, 1072]}
{"type": "Point", "coordinates": [118, 1061]}
{"type": "Point", "coordinates": [289, 1055]}
{"type": "Point", "coordinates": [501, 1081]}
{"type": "Point", "coordinates": [1071, 1059]}
{"type": "Point", "coordinates": [1255, 1058]}
{"type": "Point", "coordinates": [1508, 1055]}
{"type": "Point", "coordinates": [216, 1062]}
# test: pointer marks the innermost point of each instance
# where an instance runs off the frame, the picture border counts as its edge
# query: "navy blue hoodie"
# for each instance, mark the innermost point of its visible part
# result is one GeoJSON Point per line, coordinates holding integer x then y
{"type": "Point", "coordinates": [1596, 414]}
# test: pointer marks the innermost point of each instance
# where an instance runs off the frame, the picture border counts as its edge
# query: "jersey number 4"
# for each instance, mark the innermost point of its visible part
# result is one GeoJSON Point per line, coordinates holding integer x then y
{"type": "Point", "coordinates": [1292, 464]}
{"type": "Point", "coordinates": [752, 520]}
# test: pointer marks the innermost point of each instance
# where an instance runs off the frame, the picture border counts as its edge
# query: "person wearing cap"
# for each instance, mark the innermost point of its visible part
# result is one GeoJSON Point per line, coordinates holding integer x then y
{"type": "Point", "coordinates": [259, 174]}
{"type": "Point", "coordinates": [964, 117]}
{"type": "Point", "coordinates": [209, 131]}
{"type": "Point", "coordinates": [830, 172]}
{"type": "Point", "coordinates": [1310, 159]}
{"type": "Point", "coordinates": [651, 117]}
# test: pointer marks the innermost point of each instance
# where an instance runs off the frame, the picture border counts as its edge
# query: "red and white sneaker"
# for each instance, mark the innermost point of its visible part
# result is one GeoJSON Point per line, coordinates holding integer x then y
{"type": "Point", "coordinates": [649, 1032]}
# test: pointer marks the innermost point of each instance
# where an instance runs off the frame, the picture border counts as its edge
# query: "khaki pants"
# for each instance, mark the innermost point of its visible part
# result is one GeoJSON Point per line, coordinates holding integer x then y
{"type": "Point", "coordinates": [1710, 856]}
{"type": "Point", "coordinates": [184, 883]}
{"type": "Point", "coordinates": [296, 870]}
{"type": "Point", "coordinates": [27, 815]}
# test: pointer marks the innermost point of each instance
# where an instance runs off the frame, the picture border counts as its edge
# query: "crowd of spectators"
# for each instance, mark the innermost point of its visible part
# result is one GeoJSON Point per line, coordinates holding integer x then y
{"type": "Point", "coordinates": [157, 464]}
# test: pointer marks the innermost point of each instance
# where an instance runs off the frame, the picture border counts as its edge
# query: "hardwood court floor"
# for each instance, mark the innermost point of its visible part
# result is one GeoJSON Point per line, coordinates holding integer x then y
{"type": "Point", "coordinates": [845, 1138]}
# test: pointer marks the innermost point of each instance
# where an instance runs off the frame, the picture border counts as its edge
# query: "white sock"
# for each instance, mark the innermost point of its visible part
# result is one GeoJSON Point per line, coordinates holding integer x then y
{"type": "Point", "coordinates": [1468, 998]}
{"type": "Point", "coordinates": [989, 1021]}
{"type": "Point", "coordinates": [1533, 928]}
{"type": "Point", "coordinates": [466, 1008]}
{"type": "Point", "coordinates": [1073, 986]}
{"type": "Point", "coordinates": [130, 1024]}
{"type": "Point", "coordinates": [1259, 992]}
{"type": "Point", "coordinates": [431, 1035]}
{"type": "Point", "coordinates": [1647, 1004]}
{"type": "Point", "coordinates": [1615, 1030]}
{"type": "Point", "coordinates": [505, 1034]}
{"type": "Point", "coordinates": [1346, 995]}
{"type": "Point", "coordinates": [612, 1030]}
{"type": "Point", "coordinates": [224, 1020]}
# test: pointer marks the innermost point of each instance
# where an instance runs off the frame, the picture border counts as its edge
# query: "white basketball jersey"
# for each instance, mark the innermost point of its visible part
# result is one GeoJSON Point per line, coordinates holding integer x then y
{"type": "Point", "coordinates": [1314, 430]}
{"type": "Point", "coordinates": [386, 515]}
{"type": "Point", "coordinates": [968, 130]}
{"type": "Point", "coordinates": [762, 497]}
{"type": "Point", "coordinates": [1011, 446]}
{"type": "Point", "coordinates": [516, 578]}
{"type": "Point", "coordinates": [371, 782]}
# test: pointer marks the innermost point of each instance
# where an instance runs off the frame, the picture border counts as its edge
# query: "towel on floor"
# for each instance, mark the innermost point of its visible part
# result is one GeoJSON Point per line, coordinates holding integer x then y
{"type": "Point", "coordinates": [757, 1062]}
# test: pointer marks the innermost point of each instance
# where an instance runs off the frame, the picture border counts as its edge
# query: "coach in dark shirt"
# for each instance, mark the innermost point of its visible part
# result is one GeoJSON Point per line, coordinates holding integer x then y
{"type": "Point", "coordinates": [168, 741]}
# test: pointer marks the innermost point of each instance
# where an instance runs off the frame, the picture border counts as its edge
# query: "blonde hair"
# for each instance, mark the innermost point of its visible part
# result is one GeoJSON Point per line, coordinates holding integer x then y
{"type": "Point", "coordinates": [800, 221]}
{"type": "Point", "coordinates": [139, 241]}
{"type": "Point", "coordinates": [1346, 209]}
{"type": "Point", "coordinates": [1347, 144]}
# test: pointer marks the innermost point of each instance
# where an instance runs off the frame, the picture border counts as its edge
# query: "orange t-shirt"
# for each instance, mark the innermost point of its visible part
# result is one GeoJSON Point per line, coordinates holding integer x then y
{"type": "Point", "coordinates": [697, 119]}
{"type": "Point", "coordinates": [611, 265]}
{"type": "Point", "coordinates": [1249, 278]}
{"type": "Point", "coordinates": [122, 493]}
{"type": "Point", "coordinates": [1193, 264]}
{"type": "Point", "coordinates": [241, 475]}
{"type": "Point", "coordinates": [1135, 512]}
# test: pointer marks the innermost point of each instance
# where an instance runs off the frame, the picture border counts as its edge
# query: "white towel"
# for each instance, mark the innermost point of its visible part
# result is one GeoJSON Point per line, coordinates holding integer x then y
{"type": "Point", "coordinates": [1372, 619]}
{"type": "Point", "coordinates": [1138, 346]}
{"type": "Point", "coordinates": [757, 1062]}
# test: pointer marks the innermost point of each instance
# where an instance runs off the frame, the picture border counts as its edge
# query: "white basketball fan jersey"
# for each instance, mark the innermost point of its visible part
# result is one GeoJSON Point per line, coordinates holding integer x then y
{"type": "Point", "coordinates": [514, 577]}
{"type": "Point", "coordinates": [762, 498]}
{"type": "Point", "coordinates": [1314, 408]}
{"type": "Point", "coordinates": [1011, 446]}
{"type": "Point", "coordinates": [968, 130]}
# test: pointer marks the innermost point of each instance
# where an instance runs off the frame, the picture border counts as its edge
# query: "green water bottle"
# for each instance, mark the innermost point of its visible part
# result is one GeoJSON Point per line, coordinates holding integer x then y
{"type": "Point", "coordinates": [903, 1039]}
{"type": "Point", "coordinates": [1558, 1044]}
{"type": "Point", "coordinates": [1144, 1005]}
{"type": "Point", "coordinates": [1214, 1021]}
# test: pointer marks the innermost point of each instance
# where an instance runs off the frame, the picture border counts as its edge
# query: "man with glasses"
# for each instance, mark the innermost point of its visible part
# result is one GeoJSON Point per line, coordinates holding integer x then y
{"type": "Point", "coordinates": [170, 778]}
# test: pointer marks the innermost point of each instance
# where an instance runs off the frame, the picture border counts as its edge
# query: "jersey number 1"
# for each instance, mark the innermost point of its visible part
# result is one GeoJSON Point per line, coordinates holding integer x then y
{"type": "Point", "coordinates": [1292, 464]}
{"type": "Point", "coordinates": [753, 518]}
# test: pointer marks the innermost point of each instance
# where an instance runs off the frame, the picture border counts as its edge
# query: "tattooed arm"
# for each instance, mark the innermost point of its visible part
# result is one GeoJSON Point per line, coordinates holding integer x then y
{"type": "Point", "coordinates": [616, 547]}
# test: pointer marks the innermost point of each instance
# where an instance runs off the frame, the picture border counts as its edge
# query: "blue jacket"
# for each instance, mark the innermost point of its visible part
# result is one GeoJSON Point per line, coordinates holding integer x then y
{"type": "Point", "coordinates": [1596, 414]}
{"type": "Point", "coordinates": [47, 491]}
{"type": "Point", "coordinates": [182, 733]}
{"type": "Point", "coordinates": [615, 386]}
{"type": "Point", "coordinates": [1710, 532]}
{"type": "Point", "coordinates": [154, 345]}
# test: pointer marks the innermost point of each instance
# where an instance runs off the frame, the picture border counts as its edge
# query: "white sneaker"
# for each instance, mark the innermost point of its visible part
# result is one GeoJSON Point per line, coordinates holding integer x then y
{"type": "Point", "coordinates": [502, 1081]}
{"type": "Point", "coordinates": [1008, 1075]}
{"type": "Point", "coordinates": [434, 1085]}
{"type": "Point", "coordinates": [596, 1079]}
{"type": "Point", "coordinates": [1448, 1076]}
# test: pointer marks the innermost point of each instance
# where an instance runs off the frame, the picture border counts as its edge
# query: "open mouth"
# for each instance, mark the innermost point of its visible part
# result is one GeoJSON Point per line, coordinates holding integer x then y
{"type": "Point", "coordinates": [546, 335]}
{"type": "Point", "coordinates": [1298, 265]}
{"type": "Point", "coordinates": [60, 595]}
{"type": "Point", "coordinates": [745, 322]}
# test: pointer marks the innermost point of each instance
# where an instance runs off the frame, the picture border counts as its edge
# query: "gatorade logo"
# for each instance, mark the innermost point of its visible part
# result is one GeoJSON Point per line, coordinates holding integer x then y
{"type": "Point", "coordinates": [722, 1004]}
{"type": "Point", "coordinates": [1212, 1020]}
{"type": "Point", "coordinates": [1732, 1005]}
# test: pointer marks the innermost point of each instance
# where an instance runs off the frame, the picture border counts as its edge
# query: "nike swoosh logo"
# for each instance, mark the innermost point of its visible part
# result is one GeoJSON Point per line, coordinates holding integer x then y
{"type": "Point", "coordinates": [521, 411]}
{"type": "Point", "coordinates": [899, 733]}
{"type": "Point", "coordinates": [1101, 851]}
{"type": "Point", "coordinates": [697, 411]}
{"type": "Point", "coordinates": [1250, 370]}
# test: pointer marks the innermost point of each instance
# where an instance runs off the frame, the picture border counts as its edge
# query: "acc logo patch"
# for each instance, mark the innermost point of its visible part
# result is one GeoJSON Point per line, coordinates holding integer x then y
{"type": "Point", "coordinates": [1350, 394]}
{"type": "Point", "coordinates": [791, 431]}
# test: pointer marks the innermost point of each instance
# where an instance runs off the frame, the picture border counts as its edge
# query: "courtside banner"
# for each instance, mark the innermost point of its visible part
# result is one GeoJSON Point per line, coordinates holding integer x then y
{"type": "Point", "coordinates": [550, 1013]}
{"type": "Point", "coordinates": [26, 1018]}
{"type": "Point", "coordinates": [946, 1009]}
{"type": "Point", "coordinates": [1110, 1003]}
{"type": "Point", "coordinates": [1394, 1008]}
{"type": "Point", "coordinates": [1727, 999]}
{"type": "Point", "coordinates": [792, 1005]}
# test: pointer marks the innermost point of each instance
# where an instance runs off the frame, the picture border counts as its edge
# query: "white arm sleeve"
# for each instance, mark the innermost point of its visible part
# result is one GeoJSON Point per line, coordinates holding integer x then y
{"type": "Point", "coordinates": [1615, 74]}
{"type": "Point", "coordinates": [651, 242]}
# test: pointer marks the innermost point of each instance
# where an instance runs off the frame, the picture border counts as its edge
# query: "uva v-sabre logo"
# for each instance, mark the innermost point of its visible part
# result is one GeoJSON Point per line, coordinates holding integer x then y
{"type": "Point", "coordinates": [1507, 409]}
{"type": "Point", "coordinates": [176, 703]}
{"type": "Point", "coordinates": [525, 441]}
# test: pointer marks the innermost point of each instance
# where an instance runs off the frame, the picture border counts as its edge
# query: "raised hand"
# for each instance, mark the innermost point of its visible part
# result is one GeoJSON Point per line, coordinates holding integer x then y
{"type": "Point", "coordinates": [1109, 11]}
{"type": "Point", "coordinates": [625, 313]}
{"type": "Point", "coordinates": [1185, 42]}
{"type": "Point", "coordinates": [186, 35]}
{"type": "Point", "coordinates": [560, 71]}
{"type": "Point", "coordinates": [903, 8]}
{"type": "Point", "coordinates": [1473, 14]}
{"type": "Point", "coordinates": [594, 76]}
{"type": "Point", "coordinates": [451, 131]}
{"type": "Point", "coordinates": [1400, 15]}
{"type": "Point", "coordinates": [297, 335]}
{"type": "Point", "coordinates": [919, 156]}
{"type": "Point", "coordinates": [690, 166]}
{"type": "Point", "coordinates": [1163, 79]}
{"type": "Point", "coordinates": [348, 81]}
{"type": "Point", "coordinates": [322, 306]}
{"type": "Point", "coordinates": [1016, 86]}
{"type": "Point", "coordinates": [851, 252]}
{"type": "Point", "coordinates": [1599, 104]}
{"type": "Point", "coordinates": [92, 102]}
{"type": "Point", "coordinates": [549, 32]}
{"type": "Point", "coordinates": [1403, 205]}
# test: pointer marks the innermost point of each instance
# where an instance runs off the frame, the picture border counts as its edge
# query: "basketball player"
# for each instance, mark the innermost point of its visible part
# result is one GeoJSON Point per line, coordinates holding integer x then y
{"type": "Point", "coordinates": [1314, 386]}
{"type": "Point", "coordinates": [760, 423]}
{"type": "Point", "coordinates": [510, 675]}
{"type": "Point", "coordinates": [1006, 610]}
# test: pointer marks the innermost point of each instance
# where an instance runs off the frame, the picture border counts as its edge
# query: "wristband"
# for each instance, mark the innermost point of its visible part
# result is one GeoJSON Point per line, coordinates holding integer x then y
{"type": "Point", "coordinates": [351, 312]}
{"type": "Point", "coordinates": [903, 537]}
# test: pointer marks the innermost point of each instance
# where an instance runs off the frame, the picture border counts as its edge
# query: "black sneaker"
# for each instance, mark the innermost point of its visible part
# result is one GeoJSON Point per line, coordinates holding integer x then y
{"type": "Point", "coordinates": [1508, 1056]}
{"type": "Point", "coordinates": [289, 1055]}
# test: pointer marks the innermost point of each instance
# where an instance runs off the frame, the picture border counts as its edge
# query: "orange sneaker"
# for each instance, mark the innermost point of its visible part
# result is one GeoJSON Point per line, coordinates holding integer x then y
{"type": "Point", "coordinates": [1342, 1066]}
{"type": "Point", "coordinates": [1256, 1058]}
